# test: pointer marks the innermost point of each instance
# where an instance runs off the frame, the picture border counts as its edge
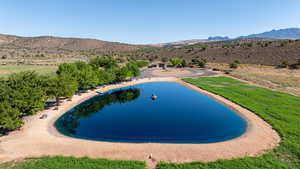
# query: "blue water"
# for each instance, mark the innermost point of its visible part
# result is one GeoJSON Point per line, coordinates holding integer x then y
{"type": "Point", "coordinates": [178, 115]}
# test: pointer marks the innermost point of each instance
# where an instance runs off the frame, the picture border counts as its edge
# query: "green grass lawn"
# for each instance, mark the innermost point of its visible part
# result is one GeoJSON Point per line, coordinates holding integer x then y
{"type": "Point", "coordinates": [280, 110]}
{"type": "Point", "coordinates": [5, 70]}
{"type": "Point", "coordinates": [74, 163]}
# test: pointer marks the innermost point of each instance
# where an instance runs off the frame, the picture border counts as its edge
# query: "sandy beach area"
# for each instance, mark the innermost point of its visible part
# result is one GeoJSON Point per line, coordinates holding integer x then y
{"type": "Point", "coordinates": [38, 137]}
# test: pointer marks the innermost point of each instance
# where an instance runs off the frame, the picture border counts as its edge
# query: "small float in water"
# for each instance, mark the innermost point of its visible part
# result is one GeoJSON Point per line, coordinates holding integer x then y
{"type": "Point", "coordinates": [100, 92]}
{"type": "Point", "coordinates": [153, 97]}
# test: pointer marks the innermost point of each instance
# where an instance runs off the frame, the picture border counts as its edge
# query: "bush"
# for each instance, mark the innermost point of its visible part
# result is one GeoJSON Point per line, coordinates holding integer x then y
{"type": "Point", "coordinates": [183, 64]}
{"type": "Point", "coordinates": [233, 65]}
{"type": "Point", "coordinates": [104, 61]}
{"type": "Point", "coordinates": [227, 72]}
{"type": "Point", "coordinates": [237, 61]}
{"type": "Point", "coordinates": [283, 64]}
{"type": "Point", "coordinates": [216, 69]}
{"type": "Point", "coordinates": [164, 59]}
{"type": "Point", "coordinates": [294, 66]}
{"type": "Point", "coordinates": [140, 63]}
{"type": "Point", "coordinates": [202, 63]}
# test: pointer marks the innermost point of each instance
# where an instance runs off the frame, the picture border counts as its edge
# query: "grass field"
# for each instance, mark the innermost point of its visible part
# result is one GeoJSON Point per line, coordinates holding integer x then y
{"type": "Point", "coordinates": [285, 80]}
{"type": "Point", "coordinates": [5, 70]}
{"type": "Point", "coordinates": [74, 163]}
{"type": "Point", "coordinates": [281, 110]}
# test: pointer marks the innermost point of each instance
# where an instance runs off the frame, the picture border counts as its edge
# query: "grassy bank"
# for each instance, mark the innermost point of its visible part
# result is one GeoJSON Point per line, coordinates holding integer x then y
{"type": "Point", "coordinates": [74, 163]}
{"type": "Point", "coordinates": [6, 70]}
{"type": "Point", "coordinates": [280, 110]}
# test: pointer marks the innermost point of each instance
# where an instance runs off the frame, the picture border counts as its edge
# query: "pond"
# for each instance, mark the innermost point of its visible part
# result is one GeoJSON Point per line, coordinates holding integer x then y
{"type": "Point", "coordinates": [178, 115]}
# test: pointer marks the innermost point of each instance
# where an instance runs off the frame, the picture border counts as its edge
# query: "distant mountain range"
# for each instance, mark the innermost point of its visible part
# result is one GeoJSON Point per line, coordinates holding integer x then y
{"type": "Point", "coordinates": [289, 33]}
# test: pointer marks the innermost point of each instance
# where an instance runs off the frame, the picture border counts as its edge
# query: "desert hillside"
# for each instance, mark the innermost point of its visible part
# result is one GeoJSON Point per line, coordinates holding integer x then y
{"type": "Point", "coordinates": [55, 50]}
{"type": "Point", "coordinates": [250, 51]}
{"type": "Point", "coordinates": [16, 47]}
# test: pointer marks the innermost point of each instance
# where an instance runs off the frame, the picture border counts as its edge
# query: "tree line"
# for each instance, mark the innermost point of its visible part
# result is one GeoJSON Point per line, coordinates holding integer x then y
{"type": "Point", "coordinates": [25, 93]}
{"type": "Point", "coordinates": [175, 61]}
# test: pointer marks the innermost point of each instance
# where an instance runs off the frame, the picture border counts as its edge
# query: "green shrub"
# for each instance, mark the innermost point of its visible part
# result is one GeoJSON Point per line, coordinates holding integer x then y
{"type": "Point", "coordinates": [237, 61]}
{"type": "Point", "coordinates": [164, 59]}
{"type": "Point", "coordinates": [283, 64]}
{"type": "Point", "coordinates": [233, 65]}
{"type": "Point", "coordinates": [175, 61]}
{"type": "Point", "coordinates": [202, 63]}
{"type": "Point", "coordinates": [140, 63]}
{"type": "Point", "coordinates": [183, 63]}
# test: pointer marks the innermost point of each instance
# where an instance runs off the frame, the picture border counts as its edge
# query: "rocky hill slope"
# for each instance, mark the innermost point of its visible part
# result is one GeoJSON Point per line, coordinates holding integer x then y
{"type": "Point", "coordinates": [48, 46]}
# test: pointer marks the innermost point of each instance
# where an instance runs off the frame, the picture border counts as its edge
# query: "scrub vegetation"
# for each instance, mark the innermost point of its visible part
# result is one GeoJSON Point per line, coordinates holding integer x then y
{"type": "Point", "coordinates": [281, 110]}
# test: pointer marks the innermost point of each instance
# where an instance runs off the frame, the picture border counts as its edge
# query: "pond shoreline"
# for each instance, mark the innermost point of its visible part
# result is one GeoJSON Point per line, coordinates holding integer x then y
{"type": "Point", "coordinates": [38, 137]}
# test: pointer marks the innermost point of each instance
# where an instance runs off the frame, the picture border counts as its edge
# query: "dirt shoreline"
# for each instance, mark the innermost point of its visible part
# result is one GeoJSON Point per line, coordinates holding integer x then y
{"type": "Point", "coordinates": [38, 137]}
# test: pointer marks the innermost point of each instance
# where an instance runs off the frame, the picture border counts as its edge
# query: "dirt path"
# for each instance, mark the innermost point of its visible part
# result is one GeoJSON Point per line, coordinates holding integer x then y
{"type": "Point", "coordinates": [38, 137]}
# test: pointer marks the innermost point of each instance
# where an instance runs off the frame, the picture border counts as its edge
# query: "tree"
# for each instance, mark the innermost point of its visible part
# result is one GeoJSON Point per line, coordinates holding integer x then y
{"type": "Point", "coordinates": [183, 63]}
{"type": "Point", "coordinates": [104, 61]}
{"type": "Point", "coordinates": [200, 62]}
{"type": "Point", "coordinates": [140, 63]}
{"type": "Point", "coordinates": [61, 86]}
{"type": "Point", "coordinates": [26, 92]}
{"type": "Point", "coordinates": [109, 75]}
{"type": "Point", "coordinates": [237, 61]}
{"type": "Point", "coordinates": [68, 68]}
{"type": "Point", "coordinates": [284, 64]}
{"type": "Point", "coordinates": [102, 76]}
{"type": "Point", "coordinates": [9, 117]}
{"type": "Point", "coordinates": [84, 74]}
{"type": "Point", "coordinates": [164, 59]}
{"type": "Point", "coordinates": [175, 61]}
{"type": "Point", "coordinates": [233, 65]}
{"type": "Point", "coordinates": [4, 90]}
{"type": "Point", "coordinates": [133, 69]}
{"type": "Point", "coordinates": [122, 73]}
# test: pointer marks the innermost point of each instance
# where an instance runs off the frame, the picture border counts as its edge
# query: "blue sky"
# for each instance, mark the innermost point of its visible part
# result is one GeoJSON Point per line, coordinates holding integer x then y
{"type": "Point", "coordinates": [146, 21]}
